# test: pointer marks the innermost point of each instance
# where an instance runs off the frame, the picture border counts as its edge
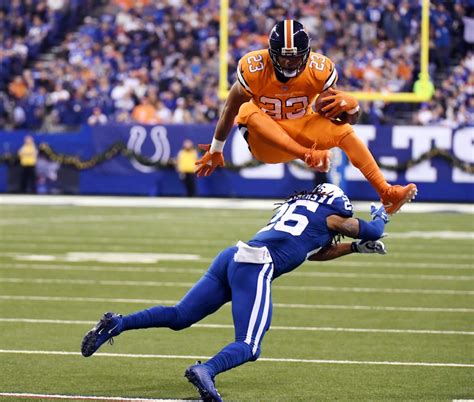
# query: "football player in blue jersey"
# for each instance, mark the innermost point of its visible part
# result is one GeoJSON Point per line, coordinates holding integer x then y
{"type": "Point", "coordinates": [306, 226]}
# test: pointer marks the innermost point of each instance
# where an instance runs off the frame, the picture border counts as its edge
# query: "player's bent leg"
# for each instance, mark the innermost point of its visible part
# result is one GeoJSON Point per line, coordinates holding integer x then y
{"type": "Point", "coordinates": [392, 197]}
{"type": "Point", "coordinates": [267, 152]}
{"type": "Point", "coordinates": [268, 141]}
{"type": "Point", "coordinates": [263, 151]}
{"type": "Point", "coordinates": [362, 159]}
{"type": "Point", "coordinates": [251, 311]}
{"type": "Point", "coordinates": [204, 298]}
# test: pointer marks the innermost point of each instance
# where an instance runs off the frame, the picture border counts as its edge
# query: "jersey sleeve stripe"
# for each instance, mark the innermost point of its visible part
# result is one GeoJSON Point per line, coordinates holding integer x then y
{"type": "Point", "coordinates": [331, 80]}
{"type": "Point", "coordinates": [242, 81]}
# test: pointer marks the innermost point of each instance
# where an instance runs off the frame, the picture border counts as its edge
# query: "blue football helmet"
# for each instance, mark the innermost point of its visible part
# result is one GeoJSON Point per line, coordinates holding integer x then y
{"type": "Point", "coordinates": [336, 198]}
{"type": "Point", "coordinates": [289, 47]}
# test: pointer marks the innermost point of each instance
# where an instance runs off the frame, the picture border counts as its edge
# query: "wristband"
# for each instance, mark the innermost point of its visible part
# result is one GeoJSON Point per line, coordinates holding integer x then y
{"type": "Point", "coordinates": [216, 146]}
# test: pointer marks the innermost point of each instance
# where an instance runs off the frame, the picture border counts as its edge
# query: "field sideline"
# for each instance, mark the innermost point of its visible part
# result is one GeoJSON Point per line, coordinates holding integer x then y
{"type": "Point", "coordinates": [394, 327]}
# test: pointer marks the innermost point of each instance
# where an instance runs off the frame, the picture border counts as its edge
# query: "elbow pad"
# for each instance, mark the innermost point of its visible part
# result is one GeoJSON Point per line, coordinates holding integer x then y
{"type": "Point", "coordinates": [371, 230]}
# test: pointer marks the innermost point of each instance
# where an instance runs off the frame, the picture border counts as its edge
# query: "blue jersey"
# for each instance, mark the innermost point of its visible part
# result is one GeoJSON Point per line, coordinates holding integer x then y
{"type": "Point", "coordinates": [299, 229]}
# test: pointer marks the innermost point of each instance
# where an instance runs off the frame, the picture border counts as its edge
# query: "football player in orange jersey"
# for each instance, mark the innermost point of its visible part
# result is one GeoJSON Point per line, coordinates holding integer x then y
{"type": "Point", "coordinates": [272, 100]}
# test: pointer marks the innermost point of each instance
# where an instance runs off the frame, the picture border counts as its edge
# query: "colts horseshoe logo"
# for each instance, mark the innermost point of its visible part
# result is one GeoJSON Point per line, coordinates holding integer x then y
{"type": "Point", "coordinates": [159, 138]}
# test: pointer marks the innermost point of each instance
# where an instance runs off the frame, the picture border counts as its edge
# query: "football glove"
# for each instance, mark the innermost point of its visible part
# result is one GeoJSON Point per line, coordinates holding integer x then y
{"type": "Point", "coordinates": [368, 247]}
{"type": "Point", "coordinates": [209, 162]}
{"type": "Point", "coordinates": [341, 102]}
{"type": "Point", "coordinates": [379, 213]}
{"type": "Point", "coordinates": [318, 160]}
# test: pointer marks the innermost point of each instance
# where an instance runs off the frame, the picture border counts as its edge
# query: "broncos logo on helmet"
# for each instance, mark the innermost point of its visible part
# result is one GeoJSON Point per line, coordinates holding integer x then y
{"type": "Point", "coordinates": [289, 48]}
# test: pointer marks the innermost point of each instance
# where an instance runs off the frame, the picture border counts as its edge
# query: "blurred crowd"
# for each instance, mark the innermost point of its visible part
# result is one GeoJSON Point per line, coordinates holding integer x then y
{"type": "Point", "coordinates": [157, 61]}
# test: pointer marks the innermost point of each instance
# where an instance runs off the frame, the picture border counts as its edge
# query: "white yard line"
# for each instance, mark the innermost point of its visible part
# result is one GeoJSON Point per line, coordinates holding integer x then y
{"type": "Point", "coordinates": [402, 264]}
{"type": "Point", "coordinates": [337, 289]}
{"type": "Point", "coordinates": [262, 359]}
{"type": "Point", "coordinates": [206, 203]}
{"type": "Point", "coordinates": [279, 305]}
{"type": "Point", "coordinates": [189, 284]}
{"type": "Point", "coordinates": [88, 299]}
{"type": "Point", "coordinates": [383, 276]}
{"type": "Point", "coordinates": [84, 219]}
{"type": "Point", "coordinates": [126, 239]}
{"type": "Point", "coordinates": [276, 328]}
{"type": "Point", "coordinates": [66, 244]}
{"type": "Point", "coordinates": [101, 268]}
{"type": "Point", "coordinates": [452, 264]}
{"type": "Point", "coordinates": [375, 308]}
{"type": "Point", "coordinates": [96, 238]}
{"type": "Point", "coordinates": [80, 397]}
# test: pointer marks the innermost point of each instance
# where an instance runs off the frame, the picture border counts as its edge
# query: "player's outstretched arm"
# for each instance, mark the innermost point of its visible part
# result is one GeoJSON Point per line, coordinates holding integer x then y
{"type": "Point", "coordinates": [359, 228]}
{"type": "Point", "coordinates": [339, 250]}
{"type": "Point", "coordinates": [213, 156]}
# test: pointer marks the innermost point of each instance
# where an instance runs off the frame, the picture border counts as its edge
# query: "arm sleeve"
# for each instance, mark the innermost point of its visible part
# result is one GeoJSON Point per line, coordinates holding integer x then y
{"type": "Point", "coordinates": [332, 79]}
{"type": "Point", "coordinates": [241, 79]}
{"type": "Point", "coordinates": [372, 230]}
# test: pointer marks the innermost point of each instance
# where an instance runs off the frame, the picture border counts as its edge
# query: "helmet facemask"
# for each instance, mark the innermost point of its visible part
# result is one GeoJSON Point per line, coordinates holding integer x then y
{"type": "Point", "coordinates": [289, 65]}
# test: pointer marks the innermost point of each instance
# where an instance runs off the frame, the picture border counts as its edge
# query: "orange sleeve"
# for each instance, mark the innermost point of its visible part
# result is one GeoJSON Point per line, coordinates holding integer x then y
{"type": "Point", "coordinates": [362, 159]}
{"type": "Point", "coordinates": [331, 74]}
{"type": "Point", "coordinates": [323, 71]}
{"type": "Point", "coordinates": [241, 78]}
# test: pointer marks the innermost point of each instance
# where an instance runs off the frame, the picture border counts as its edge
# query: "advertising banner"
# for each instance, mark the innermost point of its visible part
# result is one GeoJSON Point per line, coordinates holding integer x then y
{"type": "Point", "coordinates": [139, 160]}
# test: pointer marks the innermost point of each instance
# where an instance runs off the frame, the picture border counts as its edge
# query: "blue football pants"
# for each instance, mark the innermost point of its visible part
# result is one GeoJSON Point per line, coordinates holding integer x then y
{"type": "Point", "coordinates": [247, 285]}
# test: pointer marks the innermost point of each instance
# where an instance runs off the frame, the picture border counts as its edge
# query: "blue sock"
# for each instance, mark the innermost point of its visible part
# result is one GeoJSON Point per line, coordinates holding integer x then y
{"type": "Point", "coordinates": [155, 317]}
{"type": "Point", "coordinates": [233, 355]}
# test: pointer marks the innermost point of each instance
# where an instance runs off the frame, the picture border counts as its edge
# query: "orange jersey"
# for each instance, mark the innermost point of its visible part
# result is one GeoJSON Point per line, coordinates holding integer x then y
{"type": "Point", "coordinates": [290, 100]}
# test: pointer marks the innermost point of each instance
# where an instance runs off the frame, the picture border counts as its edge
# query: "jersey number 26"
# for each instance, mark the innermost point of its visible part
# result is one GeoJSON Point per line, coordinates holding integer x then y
{"type": "Point", "coordinates": [287, 214]}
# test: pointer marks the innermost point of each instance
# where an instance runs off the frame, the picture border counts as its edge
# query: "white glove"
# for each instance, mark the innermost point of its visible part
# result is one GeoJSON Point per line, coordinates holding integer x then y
{"type": "Point", "coordinates": [368, 247]}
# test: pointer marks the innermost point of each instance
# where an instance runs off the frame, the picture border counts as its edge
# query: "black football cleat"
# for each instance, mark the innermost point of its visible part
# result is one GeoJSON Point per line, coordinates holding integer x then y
{"type": "Point", "coordinates": [109, 325]}
{"type": "Point", "coordinates": [202, 380]}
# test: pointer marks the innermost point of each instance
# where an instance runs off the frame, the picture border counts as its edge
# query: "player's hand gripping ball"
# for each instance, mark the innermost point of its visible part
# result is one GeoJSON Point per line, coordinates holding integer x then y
{"type": "Point", "coordinates": [337, 106]}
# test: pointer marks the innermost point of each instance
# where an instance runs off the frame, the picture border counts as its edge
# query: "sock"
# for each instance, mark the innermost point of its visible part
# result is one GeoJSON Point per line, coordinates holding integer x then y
{"type": "Point", "coordinates": [155, 317]}
{"type": "Point", "coordinates": [363, 160]}
{"type": "Point", "coordinates": [232, 355]}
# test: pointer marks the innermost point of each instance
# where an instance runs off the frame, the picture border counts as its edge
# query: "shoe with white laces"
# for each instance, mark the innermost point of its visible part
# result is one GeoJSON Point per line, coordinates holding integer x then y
{"type": "Point", "coordinates": [204, 382]}
{"type": "Point", "coordinates": [109, 325]}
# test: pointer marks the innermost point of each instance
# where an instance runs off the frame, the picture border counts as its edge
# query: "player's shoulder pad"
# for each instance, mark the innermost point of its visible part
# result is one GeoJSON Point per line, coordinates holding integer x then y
{"type": "Point", "coordinates": [322, 69]}
{"type": "Point", "coordinates": [342, 207]}
{"type": "Point", "coordinates": [251, 68]}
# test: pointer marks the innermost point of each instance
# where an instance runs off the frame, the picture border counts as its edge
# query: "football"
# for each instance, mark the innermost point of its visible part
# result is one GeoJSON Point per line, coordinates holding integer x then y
{"type": "Point", "coordinates": [342, 118]}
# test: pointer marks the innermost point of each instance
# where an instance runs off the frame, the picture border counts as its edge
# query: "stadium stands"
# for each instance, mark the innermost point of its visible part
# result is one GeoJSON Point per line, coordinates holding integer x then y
{"type": "Point", "coordinates": [157, 62]}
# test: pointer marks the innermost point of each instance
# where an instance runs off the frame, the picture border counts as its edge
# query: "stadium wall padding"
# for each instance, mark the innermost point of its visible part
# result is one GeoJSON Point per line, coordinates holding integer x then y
{"type": "Point", "coordinates": [436, 178]}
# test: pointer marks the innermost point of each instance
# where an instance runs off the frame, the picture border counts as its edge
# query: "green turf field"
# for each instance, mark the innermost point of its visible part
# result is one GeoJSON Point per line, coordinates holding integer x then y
{"type": "Point", "coordinates": [349, 326]}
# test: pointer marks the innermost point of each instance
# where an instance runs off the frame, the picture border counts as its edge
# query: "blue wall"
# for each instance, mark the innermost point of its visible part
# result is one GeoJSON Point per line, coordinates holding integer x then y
{"type": "Point", "coordinates": [436, 179]}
